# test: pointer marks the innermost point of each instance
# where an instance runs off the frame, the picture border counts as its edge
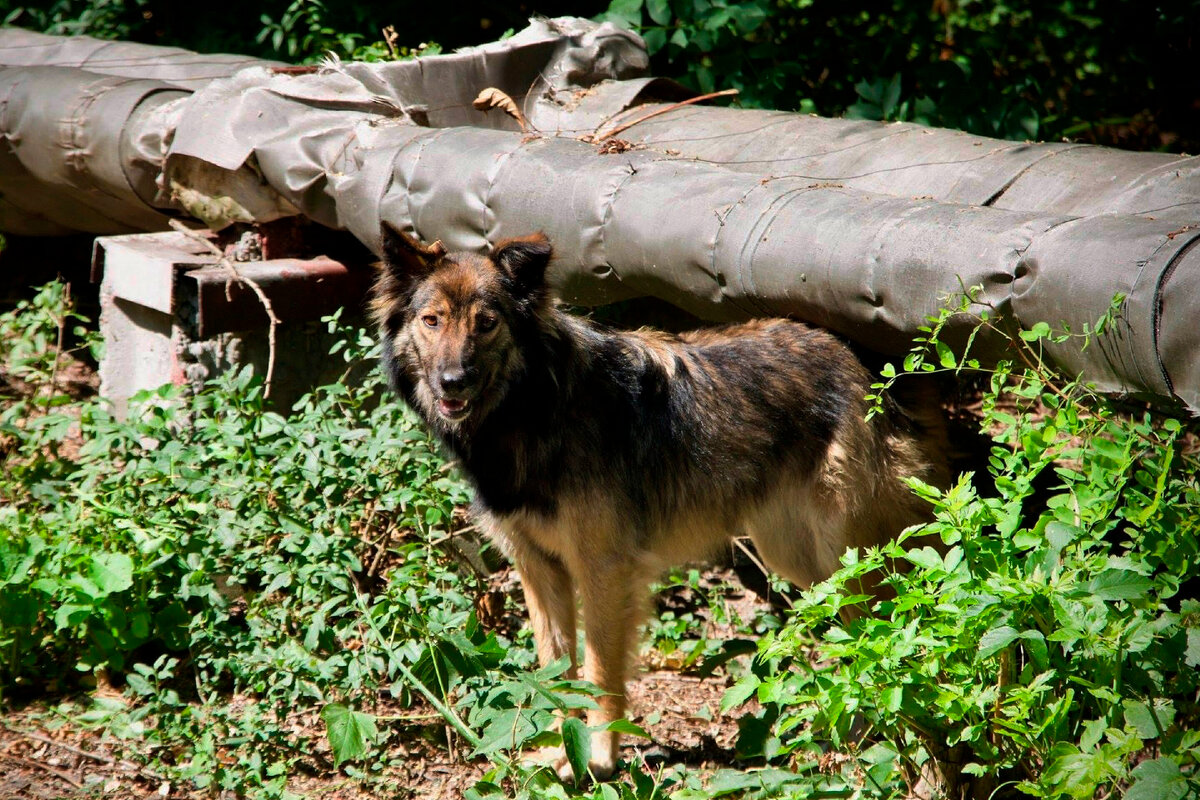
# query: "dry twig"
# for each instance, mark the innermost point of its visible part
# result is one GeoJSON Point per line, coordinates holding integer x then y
{"type": "Point", "coordinates": [664, 110]}
{"type": "Point", "coordinates": [236, 275]}
{"type": "Point", "coordinates": [58, 773]}
{"type": "Point", "coordinates": [392, 40]}
{"type": "Point", "coordinates": [37, 737]}
{"type": "Point", "coordinates": [100, 757]}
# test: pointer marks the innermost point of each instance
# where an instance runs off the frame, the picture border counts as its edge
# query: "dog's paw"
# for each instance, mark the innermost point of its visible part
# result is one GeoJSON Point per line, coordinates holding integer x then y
{"type": "Point", "coordinates": [601, 766]}
{"type": "Point", "coordinates": [600, 769]}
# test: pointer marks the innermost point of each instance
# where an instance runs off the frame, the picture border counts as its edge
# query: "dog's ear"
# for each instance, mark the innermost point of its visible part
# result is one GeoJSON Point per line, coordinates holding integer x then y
{"type": "Point", "coordinates": [404, 257]}
{"type": "Point", "coordinates": [524, 261]}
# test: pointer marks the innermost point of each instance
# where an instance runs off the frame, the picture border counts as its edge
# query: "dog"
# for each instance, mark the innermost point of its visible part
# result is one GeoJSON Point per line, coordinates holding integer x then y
{"type": "Point", "coordinates": [599, 457]}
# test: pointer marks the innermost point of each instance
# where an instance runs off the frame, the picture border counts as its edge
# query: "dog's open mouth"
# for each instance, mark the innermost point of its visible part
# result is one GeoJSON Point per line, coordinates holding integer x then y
{"type": "Point", "coordinates": [454, 410]}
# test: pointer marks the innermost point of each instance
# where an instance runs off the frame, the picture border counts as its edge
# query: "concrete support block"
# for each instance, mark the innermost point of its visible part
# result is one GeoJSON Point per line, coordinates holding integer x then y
{"type": "Point", "coordinates": [170, 314]}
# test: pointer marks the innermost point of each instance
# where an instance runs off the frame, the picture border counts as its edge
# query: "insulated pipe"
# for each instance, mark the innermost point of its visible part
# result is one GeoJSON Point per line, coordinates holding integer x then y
{"type": "Point", "coordinates": [910, 160]}
{"type": "Point", "coordinates": [69, 161]}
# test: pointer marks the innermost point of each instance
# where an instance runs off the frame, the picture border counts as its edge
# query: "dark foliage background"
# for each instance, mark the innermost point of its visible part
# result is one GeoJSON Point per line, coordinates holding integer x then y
{"type": "Point", "coordinates": [1117, 72]}
{"type": "Point", "coordinates": [1106, 71]}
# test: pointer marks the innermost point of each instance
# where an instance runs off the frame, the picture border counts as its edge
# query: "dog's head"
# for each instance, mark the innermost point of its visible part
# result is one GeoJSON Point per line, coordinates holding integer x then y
{"type": "Point", "coordinates": [449, 322]}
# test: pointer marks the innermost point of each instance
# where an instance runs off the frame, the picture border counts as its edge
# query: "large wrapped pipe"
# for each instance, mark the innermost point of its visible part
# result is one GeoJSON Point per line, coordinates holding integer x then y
{"type": "Point", "coordinates": [79, 151]}
{"type": "Point", "coordinates": [910, 160]}
{"type": "Point", "coordinates": [863, 227]}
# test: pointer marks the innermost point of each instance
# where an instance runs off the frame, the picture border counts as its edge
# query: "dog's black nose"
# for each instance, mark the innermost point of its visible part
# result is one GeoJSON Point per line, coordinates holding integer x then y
{"type": "Point", "coordinates": [455, 380]}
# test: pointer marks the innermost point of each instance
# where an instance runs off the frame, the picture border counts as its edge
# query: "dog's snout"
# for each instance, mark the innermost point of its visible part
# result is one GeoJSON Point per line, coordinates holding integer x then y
{"type": "Point", "coordinates": [456, 379]}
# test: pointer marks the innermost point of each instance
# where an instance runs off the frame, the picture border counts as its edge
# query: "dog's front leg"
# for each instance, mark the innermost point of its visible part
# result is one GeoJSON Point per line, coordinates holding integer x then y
{"type": "Point", "coordinates": [550, 596]}
{"type": "Point", "coordinates": [612, 590]}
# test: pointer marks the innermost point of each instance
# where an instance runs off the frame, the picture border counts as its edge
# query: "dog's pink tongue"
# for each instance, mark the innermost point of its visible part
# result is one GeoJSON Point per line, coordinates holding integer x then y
{"type": "Point", "coordinates": [453, 405]}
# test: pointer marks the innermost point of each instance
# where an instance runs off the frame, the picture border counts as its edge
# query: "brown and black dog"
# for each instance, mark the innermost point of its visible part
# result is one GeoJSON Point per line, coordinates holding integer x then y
{"type": "Point", "coordinates": [600, 457]}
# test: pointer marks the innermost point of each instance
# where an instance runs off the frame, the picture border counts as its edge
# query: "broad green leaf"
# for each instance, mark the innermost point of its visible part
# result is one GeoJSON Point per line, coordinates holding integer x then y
{"type": "Point", "coordinates": [1192, 657]}
{"type": "Point", "coordinates": [926, 557]}
{"type": "Point", "coordinates": [996, 640]}
{"type": "Point", "coordinates": [1060, 534]}
{"type": "Point", "coordinates": [111, 572]}
{"type": "Point", "coordinates": [68, 615]}
{"type": "Point", "coordinates": [510, 727]}
{"type": "Point", "coordinates": [1075, 773]}
{"type": "Point", "coordinates": [659, 11]}
{"type": "Point", "coordinates": [628, 11]}
{"type": "Point", "coordinates": [1035, 644]}
{"type": "Point", "coordinates": [1119, 584]}
{"type": "Point", "coordinates": [1158, 779]}
{"type": "Point", "coordinates": [350, 733]}
{"type": "Point", "coordinates": [945, 355]}
{"type": "Point", "coordinates": [1147, 718]}
{"type": "Point", "coordinates": [627, 727]}
{"type": "Point", "coordinates": [891, 698]}
{"type": "Point", "coordinates": [890, 99]}
{"type": "Point", "coordinates": [739, 693]}
{"type": "Point", "coordinates": [577, 745]}
{"type": "Point", "coordinates": [655, 38]}
{"type": "Point", "coordinates": [732, 782]}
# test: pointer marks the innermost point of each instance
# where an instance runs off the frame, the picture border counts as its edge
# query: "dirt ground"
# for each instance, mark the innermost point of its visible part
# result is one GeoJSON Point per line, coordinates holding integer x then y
{"type": "Point", "coordinates": [46, 754]}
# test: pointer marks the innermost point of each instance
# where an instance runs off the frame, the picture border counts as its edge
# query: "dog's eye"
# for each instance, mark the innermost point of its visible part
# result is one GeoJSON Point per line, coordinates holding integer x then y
{"type": "Point", "coordinates": [430, 320]}
{"type": "Point", "coordinates": [485, 323]}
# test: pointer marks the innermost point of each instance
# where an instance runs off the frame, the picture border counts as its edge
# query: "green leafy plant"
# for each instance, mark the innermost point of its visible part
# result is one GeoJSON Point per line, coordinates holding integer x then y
{"type": "Point", "coordinates": [208, 545]}
{"type": "Point", "coordinates": [1012, 69]}
{"type": "Point", "coordinates": [303, 31]}
{"type": "Point", "coordinates": [1047, 645]}
{"type": "Point", "coordinates": [706, 41]}
{"type": "Point", "coordinates": [104, 19]}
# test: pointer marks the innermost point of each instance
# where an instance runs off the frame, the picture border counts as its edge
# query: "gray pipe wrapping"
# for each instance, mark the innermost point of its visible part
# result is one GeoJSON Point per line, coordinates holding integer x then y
{"type": "Point", "coordinates": [910, 160]}
{"type": "Point", "coordinates": [65, 163]}
{"type": "Point", "coordinates": [863, 227]}
{"type": "Point", "coordinates": [172, 65]}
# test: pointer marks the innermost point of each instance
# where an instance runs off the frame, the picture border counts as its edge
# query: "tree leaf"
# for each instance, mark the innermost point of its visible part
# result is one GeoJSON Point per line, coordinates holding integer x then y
{"type": "Point", "coordinates": [891, 96]}
{"type": "Point", "coordinates": [739, 693]}
{"type": "Point", "coordinates": [1146, 718]}
{"type": "Point", "coordinates": [656, 39]}
{"type": "Point", "coordinates": [627, 727]}
{"type": "Point", "coordinates": [659, 11]}
{"type": "Point", "coordinates": [996, 640]}
{"type": "Point", "coordinates": [945, 355]}
{"type": "Point", "coordinates": [1035, 645]}
{"type": "Point", "coordinates": [627, 11]}
{"type": "Point", "coordinates": [1192, 657]}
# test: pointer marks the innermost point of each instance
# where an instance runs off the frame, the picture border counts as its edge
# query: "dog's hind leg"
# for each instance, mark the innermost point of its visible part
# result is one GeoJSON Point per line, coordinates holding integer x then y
{"type": "Point", "coordinates": [796, 540]}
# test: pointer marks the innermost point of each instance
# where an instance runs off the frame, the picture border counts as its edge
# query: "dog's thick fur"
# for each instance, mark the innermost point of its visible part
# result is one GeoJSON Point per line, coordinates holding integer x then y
{"type": "Point", "coordinates": [600, 457]}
